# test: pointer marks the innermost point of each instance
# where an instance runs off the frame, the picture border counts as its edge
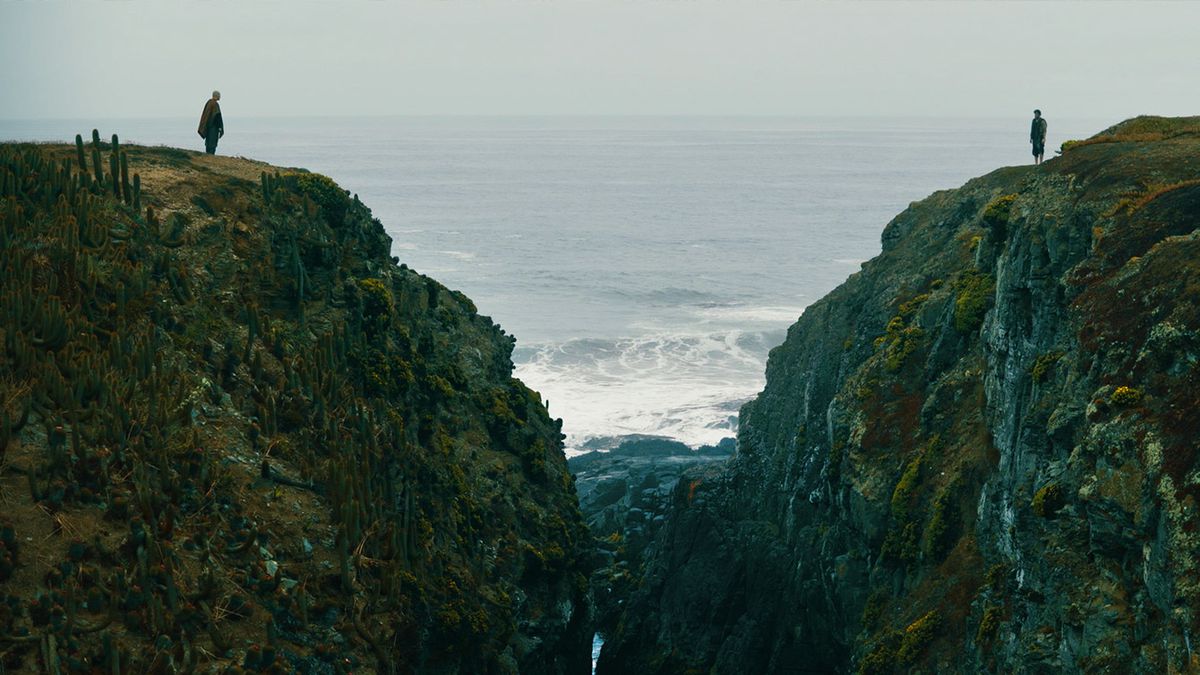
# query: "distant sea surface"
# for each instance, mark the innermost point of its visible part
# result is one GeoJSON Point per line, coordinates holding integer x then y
{"type": "Point", "coordinates": [646, 265]}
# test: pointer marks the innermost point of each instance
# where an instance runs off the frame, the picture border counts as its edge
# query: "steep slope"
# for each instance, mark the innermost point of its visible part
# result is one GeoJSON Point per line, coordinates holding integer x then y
{"type": "Point", "coordinates": [236, 435]}
{"type": "Point", "coordinates": [977, 454]}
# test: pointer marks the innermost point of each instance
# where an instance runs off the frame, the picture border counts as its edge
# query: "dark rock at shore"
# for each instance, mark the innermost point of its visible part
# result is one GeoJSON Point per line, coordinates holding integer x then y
{"type": "Point", "coordinates": [624, 494]}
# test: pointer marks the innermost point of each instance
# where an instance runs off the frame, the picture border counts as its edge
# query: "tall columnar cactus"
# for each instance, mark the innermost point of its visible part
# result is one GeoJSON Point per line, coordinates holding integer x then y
{"type": "Point", "coordinates": [79, 154]}
{"type": "Point", "coordinates": [114, 163]}
{"type": "Point", "coordinates": [137, 192]}
{"type": "Point", "coordinates": [98, 173]}
{"type": "Point", "coordinates": [114, 170]}
{"type": "Point", "coordinates": [126, 191]}
{"type": "Point", "coordinates": [252, 328]}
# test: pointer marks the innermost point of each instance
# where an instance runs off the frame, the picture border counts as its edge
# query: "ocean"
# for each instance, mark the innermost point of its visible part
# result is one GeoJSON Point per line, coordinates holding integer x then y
{"type": "Point", "coordinates": [646, 265]}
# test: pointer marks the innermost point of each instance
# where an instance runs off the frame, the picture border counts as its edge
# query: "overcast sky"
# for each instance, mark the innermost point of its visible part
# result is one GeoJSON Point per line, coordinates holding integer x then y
{"type": "Point", "coordinates": [145, 58]}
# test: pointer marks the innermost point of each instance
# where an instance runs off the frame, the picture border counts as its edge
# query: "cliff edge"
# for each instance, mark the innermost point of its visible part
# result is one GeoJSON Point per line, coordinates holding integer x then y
{"type": "Point", "coordinates": [978, 454]}
{"type": "Point", "coordinates": [236, 436]}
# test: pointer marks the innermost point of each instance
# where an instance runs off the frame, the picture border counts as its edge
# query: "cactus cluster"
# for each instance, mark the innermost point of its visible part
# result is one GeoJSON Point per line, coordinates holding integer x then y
{"type": "Point", "coordinates": [136, 393]}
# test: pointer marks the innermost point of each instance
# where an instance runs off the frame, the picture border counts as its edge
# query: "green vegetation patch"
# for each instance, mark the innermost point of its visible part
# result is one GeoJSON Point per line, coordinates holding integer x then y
{"type": "Point", "coordinates": [973, 300]}
{"type": "Point", "coordinates": [997, 577]}
{"type": "Point", "coordinates": [998, 211]}
{"type": "Point", "coordinates": [989, 624]}
{"type": "Point", "coordinates": [939, 533]}
{"type": "Point", "coordinates": [1043, 365]}
{"type": "Point", "coordinates": [905, 487]}
{"type": "Point", "coordinates": [326, 194]}
{"type": "Point", "coordinates": [1125, 396]}
{"type": "Point", "coordinates": [916, 639]}
{"type": "Point", "coordinates": [1048, 500]}
{"type": "Point", "coordinates": [900, 338]}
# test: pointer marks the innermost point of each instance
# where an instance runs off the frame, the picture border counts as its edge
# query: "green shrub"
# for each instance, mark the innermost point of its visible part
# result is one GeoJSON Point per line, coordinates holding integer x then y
{"type": "Point", "coordinates": [1048, 500]}
{"type": "Point", "coordinates": [878, 661]}
{"type": "Point", "coordinates": [1042, 366]}
{"type": "Point", "coordinates": [1125, 396]}
{"type": "Point", "coordinates": [989, 624]}
{"type": "Point", "coordinates": [904, 489]}
{"type": "Point", "coordinates": [836, 452]}
{"type": "Point", "coordinates": [974, 297]}
{"type": "Point", "coordinates": [908, 308]}
{"type": "Point", "coordinates": [377, 304]}
{"type": "Point", "coordinates": [916, 639]}
{"type": "Point", "coordinates": [901, 543]}
{"type": "Point", "coordinates": [326, 194]}
{"type": "Point", "coordinates": [439, 387]}
{"type": "Point", "coordinates": [997, 577]}
{"type": "Point", "coordinates": [998, 211]}
{"type": "Point", "coordinates": [873, 608]}
{"type": "Point", "coordinates": [904, 344]}
{"type": "Point", "coordinates": [937, 533]}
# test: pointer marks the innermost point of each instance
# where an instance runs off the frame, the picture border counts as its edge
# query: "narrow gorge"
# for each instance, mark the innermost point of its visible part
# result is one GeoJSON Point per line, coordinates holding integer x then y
{"type": "Point", "coordinates": [237, 435]}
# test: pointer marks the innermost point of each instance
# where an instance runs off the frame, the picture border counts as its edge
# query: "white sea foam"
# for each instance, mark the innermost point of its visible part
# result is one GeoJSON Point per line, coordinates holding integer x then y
{"type": "Point", "coordinates": [756, 315]}
{"type": "Point", "coordinates": [688, 387]}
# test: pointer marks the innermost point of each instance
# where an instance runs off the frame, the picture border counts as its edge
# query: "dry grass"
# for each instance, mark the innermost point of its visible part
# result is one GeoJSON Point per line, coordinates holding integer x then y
{"type": "Point", "coordinates": [1144, 129]}
{"type": "Point", "coordinates": [1133, 203]}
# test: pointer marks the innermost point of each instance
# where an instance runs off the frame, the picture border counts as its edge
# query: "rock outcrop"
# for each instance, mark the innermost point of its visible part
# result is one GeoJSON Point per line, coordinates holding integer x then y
{"type": "Point", "coordinates": [236, 436]}
{"type": "Point", "coordinates": [978, 454]}
{"type": "Point", "coordinates": [624, 494]}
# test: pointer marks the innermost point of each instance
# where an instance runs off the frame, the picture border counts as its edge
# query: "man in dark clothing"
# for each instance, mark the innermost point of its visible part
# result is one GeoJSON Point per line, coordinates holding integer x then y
{"type": "Point", "coordinates": [1037, 136]}
{"type": "Point", "coordinates": [212, 126]}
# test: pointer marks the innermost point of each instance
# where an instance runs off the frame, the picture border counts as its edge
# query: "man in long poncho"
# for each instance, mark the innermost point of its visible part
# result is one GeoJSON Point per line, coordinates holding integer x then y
{"type": "Point", "coordinates": [212, 127]}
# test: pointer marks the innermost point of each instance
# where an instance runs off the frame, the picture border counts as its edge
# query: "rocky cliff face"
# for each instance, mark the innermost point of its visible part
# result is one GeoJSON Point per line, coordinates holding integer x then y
{"type": "Point", "coordinates": [236, 436]}
{"type": "Point", "coordinates": [977, 454]}
{"type": "Point", "coordinates": [624, 494]}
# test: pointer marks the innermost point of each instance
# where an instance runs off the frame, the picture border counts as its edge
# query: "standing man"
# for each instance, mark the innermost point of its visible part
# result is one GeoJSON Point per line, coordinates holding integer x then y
{"type": "Point", "coordinates": [212, 127]}
{"type": "Point", "coordinates": [1037, 136]}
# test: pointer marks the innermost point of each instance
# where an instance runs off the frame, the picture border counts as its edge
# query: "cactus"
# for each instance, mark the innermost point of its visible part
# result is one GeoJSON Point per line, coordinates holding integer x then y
{"type": "Point", "coordinates": [112, 654]}
{"type": "Point", "coordinates": [126, 191]}
{"type": "Point", "coordinates": [114, 171]}
{"type": "Point", "coordinates": [179, 286]}
{"type": "Point", "coordinates": [344, 566]}
{"type": "Point", "coordinates": [98, 173]}
{"type": "Point", "coordinates": [79, 154]}
{"type": "Point", "coordinates": [173, 236]}
{"type": "Point", "coordinates": [251, 333]}
{"type": "Point", "coordinates": [137, 193]}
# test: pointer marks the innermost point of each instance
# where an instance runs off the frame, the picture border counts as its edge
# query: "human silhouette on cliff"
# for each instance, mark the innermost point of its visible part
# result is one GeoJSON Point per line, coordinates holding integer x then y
{"type": "Point", "coordinates": [1037, 136]}
{"type": "Point", "coordinates": [212, 126]}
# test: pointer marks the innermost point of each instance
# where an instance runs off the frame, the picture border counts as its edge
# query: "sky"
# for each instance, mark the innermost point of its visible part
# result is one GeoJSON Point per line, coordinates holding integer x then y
{"type": "Point", "coordinates": [162, 58]}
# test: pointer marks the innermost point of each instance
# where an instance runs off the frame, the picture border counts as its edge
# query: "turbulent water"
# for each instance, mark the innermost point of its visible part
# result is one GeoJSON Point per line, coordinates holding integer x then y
{"type": "Point", "coordinates": [645, 265]}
